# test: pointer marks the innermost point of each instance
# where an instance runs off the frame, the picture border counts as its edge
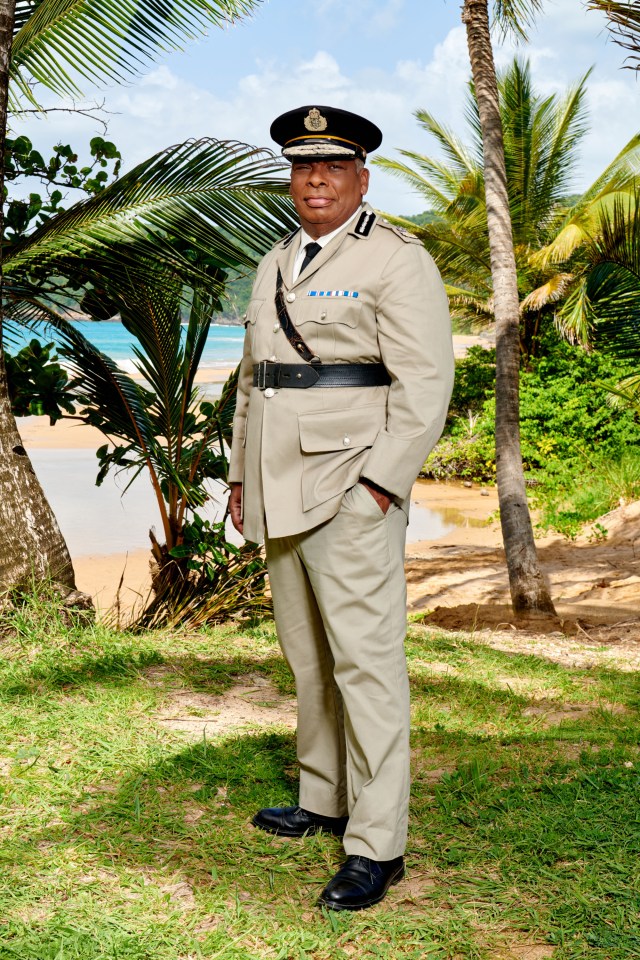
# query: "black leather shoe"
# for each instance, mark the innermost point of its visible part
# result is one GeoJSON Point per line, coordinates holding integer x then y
{"type": "Point", "coordinates": [361, 882]}
{"type": "Point", "coordinates": [296, 822]}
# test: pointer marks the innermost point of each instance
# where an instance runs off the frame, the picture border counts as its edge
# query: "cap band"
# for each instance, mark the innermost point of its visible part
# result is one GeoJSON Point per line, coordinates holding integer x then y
{"type": "Point", "coordinates": [324, 136]}
{"type": "Point", "coordinates": [311, 152]}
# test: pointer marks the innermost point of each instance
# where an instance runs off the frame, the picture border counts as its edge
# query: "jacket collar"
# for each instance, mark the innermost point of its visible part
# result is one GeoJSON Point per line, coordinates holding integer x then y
{"type": "Point", "coordinates": [360, 228]}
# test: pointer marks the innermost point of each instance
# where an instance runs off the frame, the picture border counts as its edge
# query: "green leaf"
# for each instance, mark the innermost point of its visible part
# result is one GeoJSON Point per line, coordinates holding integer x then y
{"type": "Point", "coordinates": [65, 42]}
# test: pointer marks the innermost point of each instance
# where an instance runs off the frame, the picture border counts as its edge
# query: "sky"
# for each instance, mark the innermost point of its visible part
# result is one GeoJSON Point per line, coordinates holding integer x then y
{"type": "Point", "coordinates": [384, 59]}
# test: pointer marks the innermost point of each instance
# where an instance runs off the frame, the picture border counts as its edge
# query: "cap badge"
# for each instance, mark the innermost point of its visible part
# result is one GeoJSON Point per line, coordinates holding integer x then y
{"type": "Point", "coordinates": [314, 121]}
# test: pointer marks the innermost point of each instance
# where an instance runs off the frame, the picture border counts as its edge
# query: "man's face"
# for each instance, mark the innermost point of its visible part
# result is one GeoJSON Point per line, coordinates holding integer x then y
{"type": "Point", "coordinates": [326, 193]}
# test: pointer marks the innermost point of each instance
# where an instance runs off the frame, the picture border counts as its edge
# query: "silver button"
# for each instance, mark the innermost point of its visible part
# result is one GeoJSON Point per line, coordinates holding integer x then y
{"type": "Point", "coordinates": [291, 297]}
{"type": "Point", "coordinates": [276, 327]}
{"type": "Point", "coordinates": [269, 392]}
{"type": "Point", "coordinates": [323, 316]}
{"type": "Point", "coordinates": [346, 441]}
{"type": "Point", "coordinates": [273, 359]}
{"type": "Point", "coordinates": [244, 316]}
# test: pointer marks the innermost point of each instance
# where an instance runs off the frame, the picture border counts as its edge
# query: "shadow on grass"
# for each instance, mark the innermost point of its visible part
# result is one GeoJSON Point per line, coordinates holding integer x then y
{"type": "Point", "coordinates": [69, 670]}
{"type": "Point", "coordinates": [544, 845]}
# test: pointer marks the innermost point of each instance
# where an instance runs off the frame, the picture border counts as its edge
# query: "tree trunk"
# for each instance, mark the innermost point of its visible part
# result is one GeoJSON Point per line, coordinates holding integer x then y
{"type": "Point", "coordinates": [31, 545]}
{"type": "Point", "coordinates": [529, 590]}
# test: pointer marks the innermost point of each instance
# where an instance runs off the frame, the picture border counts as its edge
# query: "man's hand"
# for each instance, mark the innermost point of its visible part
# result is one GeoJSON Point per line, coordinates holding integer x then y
{"type": "Point", "coordinates": [380, 496]}
{"type": "Point", "coordinates": [235, 506]}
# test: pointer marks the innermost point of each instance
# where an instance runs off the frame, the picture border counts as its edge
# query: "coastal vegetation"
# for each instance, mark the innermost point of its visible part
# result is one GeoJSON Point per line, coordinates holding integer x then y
{"type": "Point", "coordinates": [221, 197]}
{"type": "Point", "coordinates": [578, 277]}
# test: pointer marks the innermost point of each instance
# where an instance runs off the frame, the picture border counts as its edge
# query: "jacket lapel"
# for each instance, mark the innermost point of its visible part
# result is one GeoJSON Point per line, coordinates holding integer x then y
{"type": "Point", "coordinates": [286, 257]}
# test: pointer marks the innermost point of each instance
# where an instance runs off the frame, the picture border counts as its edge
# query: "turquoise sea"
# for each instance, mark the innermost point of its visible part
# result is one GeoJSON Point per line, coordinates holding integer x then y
{"type": "Point", "coordinates": [223, 347]}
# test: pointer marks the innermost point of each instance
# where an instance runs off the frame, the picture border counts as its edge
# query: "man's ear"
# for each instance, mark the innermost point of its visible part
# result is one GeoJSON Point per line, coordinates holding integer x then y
{"type": "Point", "coordinates": [364, 181]}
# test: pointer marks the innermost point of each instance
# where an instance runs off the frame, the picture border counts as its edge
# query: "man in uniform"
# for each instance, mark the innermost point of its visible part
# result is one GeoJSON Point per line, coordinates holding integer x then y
{"type": "Point", "coordinates": [343, 391]}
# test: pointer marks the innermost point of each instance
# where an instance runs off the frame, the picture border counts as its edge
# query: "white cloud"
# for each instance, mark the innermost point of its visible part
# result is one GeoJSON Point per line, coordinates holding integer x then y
{"type": "Point", "coordinates": [368, 16]}
{"type": "Point", "coordinates": [164, 108]}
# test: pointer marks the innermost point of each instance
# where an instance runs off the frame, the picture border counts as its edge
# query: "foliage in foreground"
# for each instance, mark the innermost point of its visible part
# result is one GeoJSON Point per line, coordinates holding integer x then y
{"type": "Point", "coordinates": [125, 838]}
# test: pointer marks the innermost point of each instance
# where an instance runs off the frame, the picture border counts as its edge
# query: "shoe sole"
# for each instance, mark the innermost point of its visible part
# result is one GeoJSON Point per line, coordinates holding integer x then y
{"type": "Point", "coordinates": [290, 834]}
{"type": "Point", "coordinates": [395, 878]}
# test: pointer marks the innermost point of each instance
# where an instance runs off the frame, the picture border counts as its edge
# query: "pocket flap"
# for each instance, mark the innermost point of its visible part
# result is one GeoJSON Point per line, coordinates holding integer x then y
{"type": "Point", "coordinates": [253, 309]}
{"type": "Point", "coordinates": [329, 310]}
{"type": "Point", "coordinates": [341, 429]}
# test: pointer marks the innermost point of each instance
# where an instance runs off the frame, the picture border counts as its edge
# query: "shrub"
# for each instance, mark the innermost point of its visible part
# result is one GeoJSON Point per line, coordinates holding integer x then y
{"type": "Point", "coordinates": [564, 416]}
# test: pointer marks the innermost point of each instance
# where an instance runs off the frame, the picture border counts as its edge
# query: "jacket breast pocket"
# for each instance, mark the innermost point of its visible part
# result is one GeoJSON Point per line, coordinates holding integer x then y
{"type": "Point", "coordinates": [324, 310]}
{"type": "Point", "coordinates": [334, 444]}
{"type": "Point", "coordinates": [330, 327]}
{"type": "Point", "coordinates": [251, 316]}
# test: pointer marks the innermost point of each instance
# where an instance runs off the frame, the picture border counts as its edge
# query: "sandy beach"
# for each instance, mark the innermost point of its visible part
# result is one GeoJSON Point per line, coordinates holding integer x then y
{"type": "Point", "coordinates": [456, 568]}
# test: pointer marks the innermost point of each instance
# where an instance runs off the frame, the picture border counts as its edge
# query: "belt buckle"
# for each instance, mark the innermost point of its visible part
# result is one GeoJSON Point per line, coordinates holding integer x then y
{"type": "Point", "coordinates": [268, 374]}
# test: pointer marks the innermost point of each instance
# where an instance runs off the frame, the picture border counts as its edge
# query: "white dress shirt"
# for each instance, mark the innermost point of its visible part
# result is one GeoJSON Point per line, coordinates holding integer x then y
{"type": "Point", "coordinates": [323, 241]}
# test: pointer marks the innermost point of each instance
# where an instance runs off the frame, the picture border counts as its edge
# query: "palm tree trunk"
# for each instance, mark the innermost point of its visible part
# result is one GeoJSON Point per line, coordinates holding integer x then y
{"type": "Point", "coordinates": [529, 591]}
{"type": "Point", "coordinates": [31, 545]}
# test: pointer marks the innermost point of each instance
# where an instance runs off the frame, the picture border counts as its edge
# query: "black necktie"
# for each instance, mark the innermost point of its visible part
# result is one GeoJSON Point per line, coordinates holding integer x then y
{"type": "Point", "coordinates": [311, 250]}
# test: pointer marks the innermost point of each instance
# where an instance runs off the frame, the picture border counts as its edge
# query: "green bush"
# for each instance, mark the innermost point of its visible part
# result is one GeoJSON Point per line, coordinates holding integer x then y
{"type": "Point", "coordinates": [565, 418]}
{"type": "Point", "coordinates": [566, 504]}
{"type": "Point", "coordinates": [474, 383]}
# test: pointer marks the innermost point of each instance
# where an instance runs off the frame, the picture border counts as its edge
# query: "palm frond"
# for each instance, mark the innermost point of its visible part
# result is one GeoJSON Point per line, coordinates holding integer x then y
{"type": "Point", "coordinates": [516, 16]}
{"type": "Point", "coordinates": [59, 43]}
{"type": "Point", "coordinates": [225, 406]}
{"type": "Point", "coordinates": [97, 378]}
{"type": "Point", "coordinates": [624, 23]}
{"type": "Point", "coordinates": [569, 125]}
{"type": "Point", "coordinates": [574, 318]}
{"type": "Point", "coordinates": [626, 392]}
{"type": "Point", "coordinates": [433, 195]}
{"type": "Point", "coordinates": [614, 281]}
{"type": "Point", "coordinates": [555, 289]}
{"type": "Point", "coordinates": [453, 148]}
{"type": "Point", "coordinates": [224, 195]}
{"type": "Point", "coordinates": [618, 180]}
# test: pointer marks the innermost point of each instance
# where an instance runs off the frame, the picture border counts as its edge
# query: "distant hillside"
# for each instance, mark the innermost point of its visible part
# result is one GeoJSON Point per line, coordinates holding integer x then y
{"type": "Point", "coordinates": [427, 217]}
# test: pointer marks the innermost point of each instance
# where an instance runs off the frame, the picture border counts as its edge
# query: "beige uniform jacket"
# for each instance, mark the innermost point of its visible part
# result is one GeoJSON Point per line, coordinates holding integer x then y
{"type": "Point", "coordinates": [372, 294]}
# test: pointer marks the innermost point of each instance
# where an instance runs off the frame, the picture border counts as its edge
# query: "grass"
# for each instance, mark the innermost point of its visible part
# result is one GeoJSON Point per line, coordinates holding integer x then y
{"type": "Point", "coordinates": [120, 838]}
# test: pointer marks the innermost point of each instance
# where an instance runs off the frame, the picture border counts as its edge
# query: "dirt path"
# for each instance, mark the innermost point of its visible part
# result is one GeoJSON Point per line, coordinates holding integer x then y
{"type": "Point", "coordinates": [460, 581]}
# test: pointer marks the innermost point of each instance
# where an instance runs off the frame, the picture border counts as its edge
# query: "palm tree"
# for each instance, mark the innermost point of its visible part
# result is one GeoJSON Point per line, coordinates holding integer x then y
{"type": "Point", "coordinates": [624, 19]}
{"type": "Point", "coordinates": [608, 303]}
{"type": "Point", "coordinates": [529, 590]}
{"type": "Point", "coordinates": [57, 43]}
{"type": "Point", "coordinates": [541, 139]}
{"type": "Point", "coordinates": [152, 244]}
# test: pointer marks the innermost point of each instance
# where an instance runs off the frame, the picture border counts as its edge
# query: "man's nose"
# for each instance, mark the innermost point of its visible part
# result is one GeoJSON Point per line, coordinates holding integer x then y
{"type": "Point", "coordinates": [316, 175]}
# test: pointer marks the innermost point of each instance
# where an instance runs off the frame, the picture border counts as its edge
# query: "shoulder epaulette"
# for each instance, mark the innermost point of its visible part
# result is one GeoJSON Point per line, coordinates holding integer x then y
{"type": "Point", "coordinates": [401, 232]}
{"type": "Point", "coordinates": [365, 223]}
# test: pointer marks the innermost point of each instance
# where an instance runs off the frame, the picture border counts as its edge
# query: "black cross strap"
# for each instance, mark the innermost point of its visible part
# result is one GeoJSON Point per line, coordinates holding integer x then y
{"type": "Point", "coordinates": [288, 328]}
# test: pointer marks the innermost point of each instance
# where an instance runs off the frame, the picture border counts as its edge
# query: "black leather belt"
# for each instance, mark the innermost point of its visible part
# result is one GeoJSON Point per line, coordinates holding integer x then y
{"type": "Point", "coordinates": [303, 375]}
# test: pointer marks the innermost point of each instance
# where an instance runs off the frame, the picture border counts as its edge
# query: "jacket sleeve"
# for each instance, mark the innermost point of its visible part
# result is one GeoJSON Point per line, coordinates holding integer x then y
{"type": "Point", "coordinates": [414, 335]}
{"type": "Point", "coordinates": [245, 380]}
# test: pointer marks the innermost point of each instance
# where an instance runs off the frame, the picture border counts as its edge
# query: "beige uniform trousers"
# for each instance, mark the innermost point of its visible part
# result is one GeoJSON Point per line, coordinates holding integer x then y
{"type": "Point", "coordinates": [339, 597]}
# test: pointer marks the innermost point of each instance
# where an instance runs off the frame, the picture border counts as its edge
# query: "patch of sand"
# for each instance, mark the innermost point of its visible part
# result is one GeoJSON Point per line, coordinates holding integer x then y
{"type": "Point", "coordinates": [460, 581]}
{"type": "Point", "coordinates": [251, 702]}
